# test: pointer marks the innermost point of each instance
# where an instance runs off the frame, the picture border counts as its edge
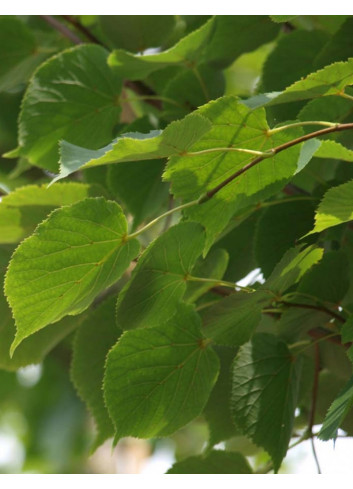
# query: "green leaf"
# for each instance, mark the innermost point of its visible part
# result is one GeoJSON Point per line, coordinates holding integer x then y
{"type": "Point", "coordinates": [159, 379]}
{"type": "Point", "coordinates": [136, 32]}
{"type": "Point", "coordinates": [282, 18]}
{"type": "Point", "coordinates": [159, 281]}
{"type": "Point", "coordinates": [339, 47]}
{"type": "Point", "coordinates": [207, 164]}
{"type": "Point", "coordinates": [232, 320]}
{"type": "Point", "coordinates": [296, 322]}
{"type": "Point", "coordinates": [328, 81]}
{"type": "Point", "coordinates": [217, 410]}
{"type": "Point", "coordinates": [278, 229]}
{"type": "Point", "coordinates": [191, 88]}
{"type": "Point", "coordinates": [35, 348]}
{"type": "Point", "coordinates": [91, 346]}
{"type": "Point", "coordinates": [334, 150]}
{"type": "Point", "coordinates": [291, 59]}
{"type": "Point", "coordinates": [213, 266]}
{"type": "Point", "coordinates": [293, 265]}
{"type": "Point", "coordinates": [25, 207]}
{"type": "Point", "coordinates": [74, 95]}
{"type": "Point", "coordinates": [335, 208]}
{"type": "Point", "coordinates": [79, 251]}
{"type": "Point", "coordinates": [125, 178]}
{"type": "Point", "coordinates": [176, 138]}
{"type": "Point", "coordinates": [19, 53]}
{"type": "Point", "coordinates": [329, 279]}
{"type": "Point", "coordinates": [252, 31]}
{"type": "Point", "coordinates": [347, 336]}
{"type": "Point", "coordinates": [264, 394]}
{"type": "Point", "coordinates": [215, 462]}
{"type": "Point", "coordinates": [337, 412]}
{"type": "Point", "coordinates": [241, 256]}
{"type": "Point", "coordinates": [185, 53]}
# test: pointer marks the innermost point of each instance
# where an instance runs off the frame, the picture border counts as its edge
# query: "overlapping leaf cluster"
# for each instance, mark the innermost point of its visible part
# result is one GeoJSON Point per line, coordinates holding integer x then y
{"type": "Point", "coordinates": [144, 187]}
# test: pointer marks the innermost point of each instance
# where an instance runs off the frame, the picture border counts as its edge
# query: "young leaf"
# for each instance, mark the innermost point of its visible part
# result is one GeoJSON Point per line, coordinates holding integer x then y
{"type": "Point", "coordinates": [73, 95]}
{"type": "Point", "coordinates": [93, 340]}
{"type": "Point", "coordinates": [79, 251]}
{"type": "Point", "coordinates": [264, 394]}
{"type": "Point", "coordinates": [215, 462]}
{"type": "Point", "coordinates": [335, 208]}
{"type": "Point", "coordinates": [337, 412]}
{"type": "Point", "coordinates": [175, 139]}
{"type": "Point", "coordinates": [159, 280]}
{"type": "Point", "coordinates": [159, 379]}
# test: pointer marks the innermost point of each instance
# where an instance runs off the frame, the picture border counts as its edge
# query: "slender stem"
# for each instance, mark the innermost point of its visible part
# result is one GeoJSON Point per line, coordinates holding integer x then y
{"type": "Point", "coordinates": [220, 283]}
{"type": "Point", "coordinates": [321, 335]}
{"type": "Point", "coordinates": [345, 95]}
{"type": "Point", "coordinates": [301, 123]}
{"type": "Point", "coordinates": [276, 150]}
{"type": "Point", "coordinates": [315, 307]}
{"type": "Point", "coordinates": [220, 291]}
{"type": "Point", "coordinates": [264, 154]}
{"type": "Point", "coordinates": [284, 201]}
{"type": "Point", "coordinates": [205, 305]}
{"type": "Point", "coordinates": [159, 218]}
{"type": "Point", "coordinates": [170, 217]}
{"type": "Point", "coordinates": [313, 405]}
{"type": "Point", "coordinates": [65, 31]}
{"type": "Point", "coordinates": [151, 97]}
{"type": "Point", "coordinates": [202, 83]}
{"type": "Point", "coordinates": [269, 465]}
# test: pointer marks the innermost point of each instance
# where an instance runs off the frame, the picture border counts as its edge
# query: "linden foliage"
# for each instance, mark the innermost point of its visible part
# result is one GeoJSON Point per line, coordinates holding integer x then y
{"type": "Point", "coordinates": [144, 186]}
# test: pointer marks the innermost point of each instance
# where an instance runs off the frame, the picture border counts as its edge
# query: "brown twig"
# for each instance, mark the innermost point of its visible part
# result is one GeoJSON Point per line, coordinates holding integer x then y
{"type": "Point", "coordinates": [65, 31]}
{"type": "Point", "coordinates": [320, 333]}
{"type": "Point", "coordinates": [75, 23]}
{"type": "Point", "coordinates": [274, 151]}
{"type": "Point", "coordinates": [221, 291]}
{"type": "Point", "coordinates": [315, 307]}
{"type": "Point", "coordinates": [313, 404]}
